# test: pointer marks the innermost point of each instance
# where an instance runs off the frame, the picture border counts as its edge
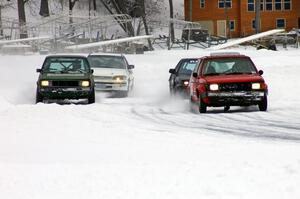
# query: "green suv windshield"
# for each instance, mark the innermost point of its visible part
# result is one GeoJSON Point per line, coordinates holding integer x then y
{"type": "Point", "coordinates": [107, 61]}
{"type": "Point", "coordinates": [228, 66]}
{"type": "Point", "coordinates": [65, 65]}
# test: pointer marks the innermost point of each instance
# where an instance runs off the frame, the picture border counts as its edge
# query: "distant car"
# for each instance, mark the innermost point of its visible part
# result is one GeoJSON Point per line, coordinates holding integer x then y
{"type": "Point", "coordinates": [112, 73]}
{"type": "Point", "coordinates": [65, 77]}
{"type": "Point", "coordinates": [180, 76]}
{"type": "Point", "coordinates": [227, 79]}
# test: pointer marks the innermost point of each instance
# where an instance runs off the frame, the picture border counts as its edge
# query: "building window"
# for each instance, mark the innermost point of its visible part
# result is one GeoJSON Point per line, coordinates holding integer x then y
{"type": "Point", "coordinates": [287, 4]}
{"type": "Point", "coordinates": [253, 24]}
{"type": "Point", "coordinates": [250, 5]}
{"type": "Point", "coordinates": [262, 3]}
{"type": "Point", "coordinates": [222, 3]}
{"type": "Point", "coordinates": [202, 3]}
{"type": "Point", "coordinates": [280, 23]}
{"type": "Point", "coordinates": [232, 25]}
{"type": "Point", "coordinates": [269, 5]}
{"type": "Point", "coordinates": [278, 5]}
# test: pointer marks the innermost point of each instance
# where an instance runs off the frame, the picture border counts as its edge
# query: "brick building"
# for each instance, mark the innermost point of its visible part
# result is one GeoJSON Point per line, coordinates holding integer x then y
{"type": "Point", "coordinates": [236, 18]}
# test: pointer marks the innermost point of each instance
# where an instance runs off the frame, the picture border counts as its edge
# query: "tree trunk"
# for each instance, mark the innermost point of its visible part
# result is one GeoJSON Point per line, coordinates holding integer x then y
{"type": "Point", "coordinates": [44, 9]}
{"type": "Point", "coordinates": [172, 33]}
{"type": "Point", "coordinates": [94, 5]}
{"type": "Point", "coordinates": [142, 4]}
{"type": "Point", "coordinates": [1, 30]}
{"type": "Point", "coordinates": [22, 19]}
{"type": "Point", "coordinates": [71, 6]}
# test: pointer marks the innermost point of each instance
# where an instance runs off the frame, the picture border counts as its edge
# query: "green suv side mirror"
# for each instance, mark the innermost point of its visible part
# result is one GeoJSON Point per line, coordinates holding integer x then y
{"type": "Point", "coordinates": [38, 70]}
{"type": "Point", "coordinates": [172, 71]}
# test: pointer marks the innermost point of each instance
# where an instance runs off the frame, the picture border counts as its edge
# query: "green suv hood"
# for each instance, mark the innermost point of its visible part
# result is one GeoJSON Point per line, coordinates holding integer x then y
{"type": "Point", "coordinates": [65, 76]}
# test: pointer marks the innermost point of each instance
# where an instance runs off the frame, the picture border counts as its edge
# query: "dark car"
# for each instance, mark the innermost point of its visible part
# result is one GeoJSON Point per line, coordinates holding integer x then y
{"type": "Point", "coordinates": [227, 79]}
{"type": "Point", "coordinates": [65, 77]}
{"type": "Point", "coordinates": [180, 75]}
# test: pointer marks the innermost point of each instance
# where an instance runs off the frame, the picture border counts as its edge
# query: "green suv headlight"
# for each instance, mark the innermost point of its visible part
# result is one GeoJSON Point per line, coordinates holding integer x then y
{"type": "Point", "coordinates": [45, 83]}
{"type": "Point", "coordinates": [85, 83]}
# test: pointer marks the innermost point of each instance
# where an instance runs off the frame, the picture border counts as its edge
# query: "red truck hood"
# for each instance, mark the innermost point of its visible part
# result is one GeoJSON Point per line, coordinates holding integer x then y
{"type": "Point", "coordinates": [219, 79]}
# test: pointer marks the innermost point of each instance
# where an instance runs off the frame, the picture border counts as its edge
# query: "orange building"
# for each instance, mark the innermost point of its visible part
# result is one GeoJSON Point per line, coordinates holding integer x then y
{"type": "Point", "coordinates": [236, 18]}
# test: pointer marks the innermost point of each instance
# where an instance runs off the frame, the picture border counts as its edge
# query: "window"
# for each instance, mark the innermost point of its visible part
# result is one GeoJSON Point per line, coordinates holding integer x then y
{"type": "Point", "coordinates": [280, 23]}
{"type": "Point", "coordinates": [262, 3]}
{"type": "Point", "coordinates": [250, 5]}
{"type": "Point", "coordinates": [228, 66]}
{"type": "Point", "coordinates": [253, 24]}
{"type": "Point", "coordinates": [287, 4]}
{"type": "Point", "coordinates": [187, 67]}
{"type": "Point", "coordinates": [232, 25]}
{"type": "Point", "coordinates": [107, 61]}
{"type": "Point", "coordinates": [278, 5]}
{"type": "Point", "coordinates": [269, 5]}
{"type": "Point", "coordinates": [202, 3]}
{"type": "Point", "coordinates": [222, 3]}
{"type": "Point", "coordinates": [65, 65]}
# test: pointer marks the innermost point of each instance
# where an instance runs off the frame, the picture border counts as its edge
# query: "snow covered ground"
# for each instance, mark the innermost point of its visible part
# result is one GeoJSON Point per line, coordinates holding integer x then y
{"type": "Point", "coordinates": [149, 145]}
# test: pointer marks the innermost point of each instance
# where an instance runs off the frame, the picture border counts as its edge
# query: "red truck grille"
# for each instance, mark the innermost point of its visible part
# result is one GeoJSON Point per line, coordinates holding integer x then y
{"type": "Point", "coordinates": [236, 87]}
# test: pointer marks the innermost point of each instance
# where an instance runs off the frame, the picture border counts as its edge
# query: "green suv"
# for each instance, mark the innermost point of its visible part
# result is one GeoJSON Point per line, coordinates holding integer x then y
{"type": "Point", "coordinates": [65, 77]}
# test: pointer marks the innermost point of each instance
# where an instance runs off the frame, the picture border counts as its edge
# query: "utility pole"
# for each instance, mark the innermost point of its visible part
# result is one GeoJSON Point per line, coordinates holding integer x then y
{"type": "Point", "coordinates": [257, 16]}
{"type": "Point", "coordinates": [191, 10]}
{"type": "Point", "coordinates": [227, 30]}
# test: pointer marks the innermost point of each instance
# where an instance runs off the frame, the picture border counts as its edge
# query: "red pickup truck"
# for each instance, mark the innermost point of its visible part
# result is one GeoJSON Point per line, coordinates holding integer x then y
{"type": "Point", "coordinates": [227, 79]}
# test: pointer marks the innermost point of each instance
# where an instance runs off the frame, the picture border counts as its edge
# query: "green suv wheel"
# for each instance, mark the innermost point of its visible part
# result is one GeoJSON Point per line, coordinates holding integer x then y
{"type": "Point", "coordinates": [91, 98]}
{"type": "Point", "coordinates": [38, 97]}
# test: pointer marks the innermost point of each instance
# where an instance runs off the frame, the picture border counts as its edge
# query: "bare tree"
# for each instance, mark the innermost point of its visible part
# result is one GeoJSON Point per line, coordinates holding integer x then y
{"type": "Point", "coordinates": [44, 9]}
{"type": "Point", "coordinates": [119, 7]}
{"type": "Point", "coordinates": [3, 6]}
{"type": "Point", "coordinates": [71, 6]}
{"type": "Point", "coordinates": [172, 33]}
{"type": "Point", "coordinates": [94, 5]}
{"type": "Point", "coordinates": [142, 4]}
{"type": "Point", "coordinates": [22, 18]}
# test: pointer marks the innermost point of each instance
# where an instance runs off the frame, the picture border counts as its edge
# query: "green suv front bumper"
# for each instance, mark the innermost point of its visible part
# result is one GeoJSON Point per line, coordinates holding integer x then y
{"type": "Point", "coordinates": [65, 92]}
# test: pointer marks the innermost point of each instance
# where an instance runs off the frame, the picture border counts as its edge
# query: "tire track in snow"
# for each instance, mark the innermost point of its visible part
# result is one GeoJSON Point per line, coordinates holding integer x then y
{"type": "Point", "coordinates": [218, 123]}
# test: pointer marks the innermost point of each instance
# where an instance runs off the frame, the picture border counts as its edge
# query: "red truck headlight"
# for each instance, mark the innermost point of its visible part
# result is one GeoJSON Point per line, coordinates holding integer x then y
{"type": "Point", "coordinates": [214, 87]}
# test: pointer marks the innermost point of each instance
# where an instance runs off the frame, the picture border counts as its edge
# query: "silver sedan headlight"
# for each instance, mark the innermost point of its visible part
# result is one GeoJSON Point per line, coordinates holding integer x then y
{"type": "Point", "coordinates": [120, 78]}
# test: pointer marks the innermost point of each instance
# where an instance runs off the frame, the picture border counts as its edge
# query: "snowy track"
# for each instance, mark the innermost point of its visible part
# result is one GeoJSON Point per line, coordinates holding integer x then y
{"type": "Point", "coordinates": [241, 122]}
{"type": "Point", "coordinates": [149, 145]}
